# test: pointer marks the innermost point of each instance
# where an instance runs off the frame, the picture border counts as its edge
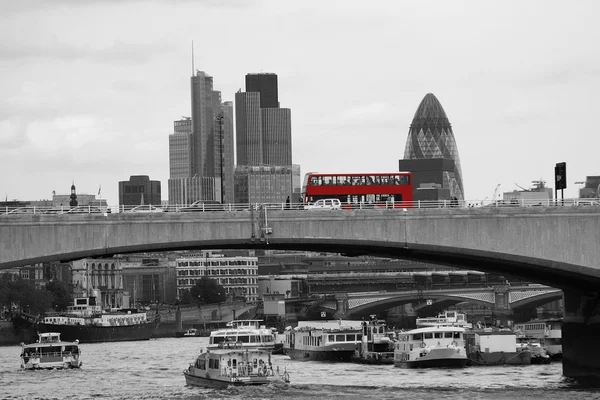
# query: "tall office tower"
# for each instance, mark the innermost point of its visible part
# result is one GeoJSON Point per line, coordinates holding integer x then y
{"type": "Point", "coordinates": [180, 147]}
{"type": "Point", "coordinates": [266, 85]}
{"type": "Point", "coordinates": [430, 137]}
{"type": "Point", "coordinates": [277, 136]}
{"type": "Point", "coordinates": [201, 147]}
{"type": "Point", "coordinates": [264, 140]}
{"type": "Point", "coordinates": [248, 124]}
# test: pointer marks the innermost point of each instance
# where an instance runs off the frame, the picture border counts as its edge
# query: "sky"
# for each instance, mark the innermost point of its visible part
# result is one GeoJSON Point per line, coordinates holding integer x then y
{"type": "Point", "coordinates": [89, 90]}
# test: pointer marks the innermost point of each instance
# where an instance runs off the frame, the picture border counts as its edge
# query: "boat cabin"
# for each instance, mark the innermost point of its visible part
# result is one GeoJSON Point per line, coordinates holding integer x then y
{"type": "Point", "coordinates": [439, 336]}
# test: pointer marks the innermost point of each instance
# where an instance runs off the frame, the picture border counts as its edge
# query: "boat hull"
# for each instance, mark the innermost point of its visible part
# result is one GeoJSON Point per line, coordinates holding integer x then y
{"type": "Point", "coordinates": [435, 358]}
{"type": "Point", "coordinates": [219, 382]}
{"type": "Point", "coordinates": [95, 334]}
{"type": "Point", "coordinates": [499, 358]}
{"type": "Point", "coordinates": [374, 358]}
{"type": "Point", "coordinates": [319, 355]}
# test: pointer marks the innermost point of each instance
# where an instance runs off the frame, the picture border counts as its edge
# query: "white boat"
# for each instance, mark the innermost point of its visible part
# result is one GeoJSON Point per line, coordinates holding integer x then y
{"type": "Point", "coordinates": [494, 347]}
{"type": "Point", "coordinates": [50, 352]}
{"type": "Point", "coordinates": [191, 332]}
{"type": "Point", "coordinates": [245, 333]}
{"type": "Point", "coordinates": [437, 346]}
{"type": "Point", "coordinates": [446, 318]}
{"type": "Point", "coordinates": [323, 342]}
{"type": "Point", "coordinates": [222, 367]}
{"type": "Point", "coordinates": [547, 331]}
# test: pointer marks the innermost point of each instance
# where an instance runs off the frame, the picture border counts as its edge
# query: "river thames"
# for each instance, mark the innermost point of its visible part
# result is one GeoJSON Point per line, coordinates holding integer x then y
{"type": "Point", "coordinates": [153, 370]}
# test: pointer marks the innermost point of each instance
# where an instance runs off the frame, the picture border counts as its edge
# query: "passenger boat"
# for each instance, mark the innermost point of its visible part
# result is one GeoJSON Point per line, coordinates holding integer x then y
{"type": "Point", "coordinates": [237, 366]}
{"type": "Point", "coordinates": [446, 318]}
{"type": "Point", "coordinates": [547, 331]}
{"type": "Point", "coordinates": [494, 347]}
{"type": "Point", "coordinates": [50, 352]}
{"type": "Point", "coordinates": [376, 345]}
{"type": "Point", "coordinates": [308, 343]}
{"type": "Point", "coordinates": [438, 346]}
{"type": "Point", "coordinates": [539, 355]}
{"type": "Point", "coordinates": [246, 333]}
{"type": "Point", "coordinates": [87, 322]}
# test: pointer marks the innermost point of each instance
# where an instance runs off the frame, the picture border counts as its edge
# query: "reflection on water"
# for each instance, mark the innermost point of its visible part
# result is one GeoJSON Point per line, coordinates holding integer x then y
{"type": "Point", "coordinates": [153, 370]}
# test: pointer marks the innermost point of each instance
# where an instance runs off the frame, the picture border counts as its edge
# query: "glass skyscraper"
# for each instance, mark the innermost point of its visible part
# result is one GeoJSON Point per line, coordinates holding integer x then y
{"type": "Point", "coordinates": [430, 137]}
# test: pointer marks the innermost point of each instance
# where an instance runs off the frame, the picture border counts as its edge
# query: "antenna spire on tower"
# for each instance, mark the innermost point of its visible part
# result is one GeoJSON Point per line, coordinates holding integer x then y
{"type": "Point", "coordinates": [192, 58]}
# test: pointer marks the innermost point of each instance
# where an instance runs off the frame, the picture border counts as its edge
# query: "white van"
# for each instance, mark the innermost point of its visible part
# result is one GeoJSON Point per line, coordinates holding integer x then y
{"type": "Point", "coordinates": [325, 204]}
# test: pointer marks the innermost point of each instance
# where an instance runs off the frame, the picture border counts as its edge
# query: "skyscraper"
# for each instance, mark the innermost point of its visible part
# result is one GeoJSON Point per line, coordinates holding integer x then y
{"type": "Point", "coordinates": [201, 147]}
{"type": "Point", "coordinates": [263, 140]}
{"type": "Point", "coordinates": [266, 85]}
{"type": "Point", "coordinates": [430, 137]}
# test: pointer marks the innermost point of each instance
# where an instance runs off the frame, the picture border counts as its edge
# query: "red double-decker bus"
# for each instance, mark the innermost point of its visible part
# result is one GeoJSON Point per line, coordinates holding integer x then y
{"type": "Point", "coordinates": [364, 190]}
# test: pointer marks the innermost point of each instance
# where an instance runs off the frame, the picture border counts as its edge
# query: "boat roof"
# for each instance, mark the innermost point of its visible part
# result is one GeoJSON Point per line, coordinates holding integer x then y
{"type": "Point", "coordinates": [237, 351]}
{"type": "Point", "coordinates": [434, 329]}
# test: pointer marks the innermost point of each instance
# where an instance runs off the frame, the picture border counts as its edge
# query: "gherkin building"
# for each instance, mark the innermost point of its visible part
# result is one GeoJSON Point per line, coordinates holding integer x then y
{"type": "Point", "coordinates": [430, 137]}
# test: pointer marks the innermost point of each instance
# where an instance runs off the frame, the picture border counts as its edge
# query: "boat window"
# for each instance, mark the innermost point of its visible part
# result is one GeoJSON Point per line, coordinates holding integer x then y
{"type": "Point", "coordinates": [417, 336]}
{"type": "Point", "coordinates": [244, 339]}
{"type": "Point", "coordinates": [330, 338]}
{"type": "Point", "coordinates": [438, 335]}
{"type": "Point", "coordinates": [340, 338]}
{"type": "Point", "coordinates": [457, 335]}
{"type": "Point", "coordinates": [350, 338]}
{"type": "Point", "coordinates": [254, 339]}
{"type": "Point", "coordinates": [217, 339]}
{"type": "Point", "coordinates": [448, 335]}
{"type": "Point", "coordinates": [359, 337]}
{"type": "Point", "coordinates": [428, 335]}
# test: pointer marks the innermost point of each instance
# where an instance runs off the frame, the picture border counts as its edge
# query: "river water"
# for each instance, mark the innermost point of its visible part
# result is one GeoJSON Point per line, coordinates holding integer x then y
{"type": "Point", "coordinates": [153, 370]}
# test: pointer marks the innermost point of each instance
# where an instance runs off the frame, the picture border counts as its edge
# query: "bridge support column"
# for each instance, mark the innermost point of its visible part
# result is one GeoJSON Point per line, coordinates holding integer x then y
{"type": "Point", "coordinates": [342, 306]}
{"type": "Point", "coordinates": [580, 333]}
{"type": "Point", "coordinates": [502, 311]}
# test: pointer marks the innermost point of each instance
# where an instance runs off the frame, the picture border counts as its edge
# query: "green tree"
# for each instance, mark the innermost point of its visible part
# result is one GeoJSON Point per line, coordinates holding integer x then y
{"type": "Point", "coordinates": [207, 291]}
{"type": "Point", "coordinates": [186, 297]}
{"type": "Point", "coordinates": [61, 295]}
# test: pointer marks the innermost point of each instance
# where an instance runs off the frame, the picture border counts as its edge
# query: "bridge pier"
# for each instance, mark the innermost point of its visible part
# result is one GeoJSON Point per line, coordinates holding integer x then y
{"type": "Point", "coordinates": [580, 337]}
{"type": "Point", "coordinates": [342, 306]}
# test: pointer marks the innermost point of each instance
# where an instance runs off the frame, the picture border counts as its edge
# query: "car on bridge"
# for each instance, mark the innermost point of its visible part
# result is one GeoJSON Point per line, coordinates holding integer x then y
{"type": "Point", "coordinates": [203, 205]}
{"type": "Point", "coordinates": [325, 204]}
{"type": "Point", "coordinates": [146, 208]}
{"type": "Point", "coordinates": [85, 210]}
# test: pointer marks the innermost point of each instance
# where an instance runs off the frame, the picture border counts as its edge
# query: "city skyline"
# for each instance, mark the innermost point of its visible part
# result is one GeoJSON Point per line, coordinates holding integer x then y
{"type": "Point", "coordinates": [93, 106]}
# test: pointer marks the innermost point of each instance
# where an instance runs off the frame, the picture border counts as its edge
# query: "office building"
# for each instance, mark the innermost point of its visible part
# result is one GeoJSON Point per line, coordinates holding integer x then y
{"type": "Point", "coordinates": [138, 190]}
{"type": "Point", "coordinates": [264, 171]}
{"type": "Point", "coordinates": [237, 275]}
{"type": "Point", "coordinates": [201, 148]}
{"type": "Point", "coordinates": [430, 137]}
{"type": "Point", "coordinates": [266, 85]}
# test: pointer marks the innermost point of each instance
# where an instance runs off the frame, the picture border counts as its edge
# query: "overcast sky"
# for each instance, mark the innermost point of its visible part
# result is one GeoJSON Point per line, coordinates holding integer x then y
{"type": "Point", "coordinates": [89, 90]}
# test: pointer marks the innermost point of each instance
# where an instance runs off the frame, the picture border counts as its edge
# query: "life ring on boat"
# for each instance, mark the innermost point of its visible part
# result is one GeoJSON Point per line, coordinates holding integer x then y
{"type": "Point", "coordinates": [454, 343]}
{"type": "Point", "coordinates": [423, 345]}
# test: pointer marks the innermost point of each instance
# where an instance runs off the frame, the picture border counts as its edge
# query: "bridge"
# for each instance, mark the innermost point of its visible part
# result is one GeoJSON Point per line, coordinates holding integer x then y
{"type": "Point", "coordinates": [556, 246]}
{"type": "Point", "coordinates": [502, 298]}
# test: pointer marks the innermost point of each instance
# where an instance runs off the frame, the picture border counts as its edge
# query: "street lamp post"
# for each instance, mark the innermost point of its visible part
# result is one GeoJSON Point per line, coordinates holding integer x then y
{"type": "Point", "coordinates": [221, 152]}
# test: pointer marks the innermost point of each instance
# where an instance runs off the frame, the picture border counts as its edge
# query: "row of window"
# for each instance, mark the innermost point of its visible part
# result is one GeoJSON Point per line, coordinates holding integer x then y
{"type": "Point", "coordinates": [226, 263]}
{"type": "Point", "coordinates": [222, 282]}
{"type": "Point", "coordinates": [359, 180]}
{"type": "Point", "coordinates": [242, 339]}
{"type": "Point", "coordinates": [224, 271]}
{"type": "Point", "coordinates": [431, 335]}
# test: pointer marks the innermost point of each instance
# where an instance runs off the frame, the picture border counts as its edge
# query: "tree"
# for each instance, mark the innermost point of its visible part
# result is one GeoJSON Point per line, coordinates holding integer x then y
{"type": "Point", "coordinates": [186, 297]}
{"type": "Point", "coordinates": [208, 291]}
{"type": "Point", "coordinates": [61, 295]}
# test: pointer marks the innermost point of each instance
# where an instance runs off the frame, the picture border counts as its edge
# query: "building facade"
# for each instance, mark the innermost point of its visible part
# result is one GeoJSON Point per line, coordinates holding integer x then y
{"type": "Point", "coordinates": [266, 184]}
{"type": "Point", "coordinates": [201, 148]}
{"type": "Point", "coordinates": [430, 137]}
{"type": "Point", "coordinates": [91, 275]}
{"type": "Point", "coordinates": [238, 275]}
{"type": "Point", "coordinates": [266, 85]}
{"type": "Point", "coordinates": [138, 190]}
